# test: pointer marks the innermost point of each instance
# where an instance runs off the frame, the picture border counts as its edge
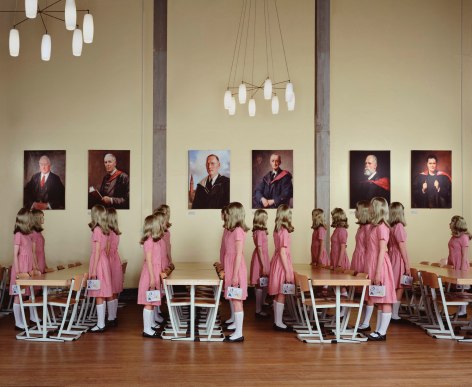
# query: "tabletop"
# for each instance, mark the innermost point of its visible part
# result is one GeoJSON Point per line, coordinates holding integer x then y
{"type": "Point", "coordinates": [322, 277]}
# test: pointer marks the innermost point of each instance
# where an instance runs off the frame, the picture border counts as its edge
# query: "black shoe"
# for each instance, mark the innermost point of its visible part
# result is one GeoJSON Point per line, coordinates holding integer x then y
{"type": "Point", "coordinates": [453, 316]}
{"type": "Point", "coordinates": [17, 328]}
{"type": "Point", "coordinates": [238, 340]}
{"type": "Point", "coordinates": [397, 320]}
{"type": "Point", "coordinates": [286, 329]}
{"type": "Point", "coordinates": [96, 329]}
{"type": "Point", "coordinates": [378, 337]}
{"type": "Point", "coordinates": [261, 315]}
{"type": "Point", "coordinates": [155, 335]}
{"type": "Point", "coordinates": [112, 323]}
{"type": "Point", "coordinates": [363, 329]}
{"type": "Point", "coordinates": [34, 322]}
{"type": "Point", "coordinates": [156, 328]}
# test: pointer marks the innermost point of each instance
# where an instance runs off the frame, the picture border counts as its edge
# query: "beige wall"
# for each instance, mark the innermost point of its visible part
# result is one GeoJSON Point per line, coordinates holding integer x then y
{"type": "Point", "coordinates": [467, 104]}
{"type": "Point", "coordinates": [99, 100]}
{"type": "Point", "coordinates": [200, 48]}
{"type": "Point", "coordinates": [396, 85]}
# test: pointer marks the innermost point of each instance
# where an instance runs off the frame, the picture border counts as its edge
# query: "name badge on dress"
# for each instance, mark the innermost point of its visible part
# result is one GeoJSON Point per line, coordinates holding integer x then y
{"type": "Point", "coordinates": [93, 284]}
{"type": "Point", "coordinates": [263, 282]}
{"type": "Point", "coordinates": [153, 295]}
{"type": "Point", "coordinates": [287, 289]}
{"type": "Point", "coordinates": [406, 280]}
{"type": "Point", "coordinates": [235, 293]}
{"type": "Point", "coordinates": [16, 289]}
{"type": "Point", "coordinates": [377, 290]}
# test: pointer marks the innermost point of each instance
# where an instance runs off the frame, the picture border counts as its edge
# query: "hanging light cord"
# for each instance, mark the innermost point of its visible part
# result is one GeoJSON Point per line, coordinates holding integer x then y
{"type": "Point", "coordinates": [281, 38]}
{"type": "Point", "coordinates": [235, 45]}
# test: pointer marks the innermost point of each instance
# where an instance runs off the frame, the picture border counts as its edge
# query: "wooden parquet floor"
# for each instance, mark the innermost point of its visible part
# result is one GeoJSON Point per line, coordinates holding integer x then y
{"type": "Point", "coordinates": [121, 356]}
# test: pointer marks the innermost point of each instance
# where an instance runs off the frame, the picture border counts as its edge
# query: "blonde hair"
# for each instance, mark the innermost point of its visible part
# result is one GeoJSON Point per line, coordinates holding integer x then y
{"type": "Point", "coordinates": [165, 209]}
{"type": "Point", "coordinates": [23, 222]}
{"type": "Point", "coordinates": [339, 218]}
{"type": "Point", "coordinates": [362, 212]}
{"type": "Point", "coordinates": [153, 227]}
{"type": "Point", "coordinates": [224, 214]}
{"type": "Point", "coordinates": [283, 218]}
{"type": "Point", "coordinates": [317, 216]}
{"type": "Point", "coordinates": [112, 220]}
{"type": "Point", "coordinates": [379, 211]}
{"type": "Point", "coordinates": [236, 217]}
{"type": "Point", "coordinates": [260, 221]}
{"type": "Point", "coordinates": [396, 214]}
{"type": "Point", "coordinates": [164, 217]}
{"type": "Point", "coordinates": [459, 226]}
{"type": "Point", "coordinates": [99, 218]}
{"type": "Point", "coordinates": [36, 216]}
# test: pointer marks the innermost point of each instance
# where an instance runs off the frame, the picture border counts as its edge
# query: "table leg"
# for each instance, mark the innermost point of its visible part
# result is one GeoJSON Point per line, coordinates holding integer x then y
{"type": "Point", "coordinates": [45, 311]}
{"type": "Point", "coordinates": [192, 312]}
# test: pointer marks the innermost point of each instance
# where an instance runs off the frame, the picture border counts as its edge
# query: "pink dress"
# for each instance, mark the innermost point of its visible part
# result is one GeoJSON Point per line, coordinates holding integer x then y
{"type": "Point", "coordinates": [277, 271]}
{"type": "Point", "coordinates": [455, 246]}
{"type": "Point", "coordinates": [319, 235]}
{"type": "Point", "coordinates": [260, 240]}
{"type": "Point", "coordinates": [222, 247]}
{"type": "Point", "coordinates": [115, 263]}
{"type": "Point", "coordinates": [40, 256]}
{"type": "Point", "coordinates": [25, 258]}
{"type": "Point", "coordinates": [103, 265]}
{"type": "Point", "coordinates": [237, 234]}
{"type": "Point", "coordinates": [378, 233]}
{"type": "Point", "coordinates": [397, 235]}
{"type": "Point", "coordinates": [338, 239]}
{"type": "Point", "coordinates": [155, 248]}
{"type": "Point", "coordinates": [358, 256]}
{"type": "Point", "coordinates": [165, 247]}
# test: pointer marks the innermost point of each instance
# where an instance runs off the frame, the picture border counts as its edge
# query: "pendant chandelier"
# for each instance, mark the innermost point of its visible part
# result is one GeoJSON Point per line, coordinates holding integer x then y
{"type": "Point", "coordinates": [249, 43]}
{"type": "Point", "coordinates": [33, 10]}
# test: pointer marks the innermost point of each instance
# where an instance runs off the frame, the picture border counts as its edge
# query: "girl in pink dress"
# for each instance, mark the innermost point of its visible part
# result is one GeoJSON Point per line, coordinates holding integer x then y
{"type": "Point", "coordinates": [381, 268]}
{"type": "Point", "coordinates": [398, 252]}
{"type": "Point", "coordinates": [24, 262]}
{"type": "Point", "coordinates": [260, 263]}
{"type": "Point", "coordinates": [363, 218]}
{"type": "Point", "coordinates": [235, 266]}
{"type": "Point", "coordinates": [115, 266]}
{"type": "Point", "coordinates": [319, 256]}
{"type": "Point", "coordinates": [339, 239]}
{"type": "Point", "coordinates": [99, 264]}
{"type": "Point", "coordinates": [224, 218]}
{"type": "Point", "coordinates": [459, 250]}
{"type": "Point", "coordinates": [281, 269]}
{"type": "Point", "coordinates": [38, 221]}
{"type": "Point", "coordinates": [152, 239]}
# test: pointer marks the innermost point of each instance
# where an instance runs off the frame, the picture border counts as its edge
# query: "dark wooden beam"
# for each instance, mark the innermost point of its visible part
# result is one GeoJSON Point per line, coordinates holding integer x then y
{"type": "Point", "coordinates": [159, 103]}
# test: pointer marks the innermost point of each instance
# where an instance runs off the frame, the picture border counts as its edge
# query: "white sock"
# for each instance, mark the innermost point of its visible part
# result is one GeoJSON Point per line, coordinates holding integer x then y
{"type": "Point", "coordinates": [379, 320]}
{"type": "Point", "coordinates": [238, 320]}
{"type": "Point", "coordinates": [342, 312]}
{"type": "Point", "coordinates": [368, 314]}
{"type": "Point", "coordinates": [258, 300]}
{"type": "Point", "coordinates": [147, 321]}
{"type": "Point", "coordinates": [115, 308]}
{"type": "Point", "coordinates": [157, 315]}
{"type": "Point", "coordinates": [110, 305]}
{"type": "Point", "coordinates": [101, 315]}
{"type": "Point", "coordinates": [344, 294]}
{"type": "Point", "coordinates": [232, 326]}
{"type": "Point", "coordinates": [18, 317]}
{"type": "Point", "coordinates": [384, 323]}
{"type": "Point", "coordinates": [462, 310]}
{"type": "Point", "coordinates": [33, 313]}
{"type": "Point", "coordinates": [395, 309]}
{"type": "Point", "coordinates": [231, 319]}
{"type": "Point", "coordinates": [279, 310]}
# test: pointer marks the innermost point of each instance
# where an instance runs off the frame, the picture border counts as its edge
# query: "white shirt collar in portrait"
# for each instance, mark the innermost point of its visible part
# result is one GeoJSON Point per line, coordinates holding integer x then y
{"type": "Point", "coordinates": [46, 175]}
{"type": "Point", "coordinates": [371, 176]}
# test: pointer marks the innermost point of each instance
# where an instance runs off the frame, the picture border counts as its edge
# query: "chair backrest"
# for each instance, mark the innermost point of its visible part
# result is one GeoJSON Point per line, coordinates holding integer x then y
{"type": "Point", "coordinates": [78, 263]}
{"type": "Point", "coordinates": [338, 270]}
{"type": "Point", "coordinates": [49, 270]}
{"type": "Point", "coordinates": [414, 274]}
{"type": "Point", "coordinates": [302, 282]}
{"type": "Point", "coordinates": [163, 275]}
{"type": "Point", "coordinates": [79, 281]}
{"type": "Point", "coordinates": [424, 263]}
{"type": "Point", "coordinates": [60, 267]}
{"type": "Point", "coordinates": [447, 266]}
{"type": "Point", "coordinates": [221, 274]}
{"type": "Point", "coordinates": [436, 264]}
{"type": "Point", "coordinates": [350, 272]}
{"type": "Point", "coordinates": [362, 275]}
{"type": "Point", "coordinates": [70, 265]}
{"type": "Point", "coordinates": [430, 279]}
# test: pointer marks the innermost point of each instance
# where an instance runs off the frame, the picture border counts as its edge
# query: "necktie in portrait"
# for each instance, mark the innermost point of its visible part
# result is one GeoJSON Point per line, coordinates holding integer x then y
{"type": "Point", "coordinates": [43, 181]}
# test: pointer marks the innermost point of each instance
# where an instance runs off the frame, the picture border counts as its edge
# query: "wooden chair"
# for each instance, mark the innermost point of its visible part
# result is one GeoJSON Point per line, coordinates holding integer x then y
{"type": "Point", "coordinates": [70, 265]}
{"type": "Point", "coordinates": [210, 306]}
{"type": "Point", "coordinates": [447, 266]}
{"type": "Point", "coordinates": [60, 267]}
{"type": "Point", "coordinates": [436, 264]}
{"type": "Point", "coordinates": [350, 303]}
{"type": "Point", "coordinates": [443, 301]}
{"type": "Point", "coordinates": [49, 270]}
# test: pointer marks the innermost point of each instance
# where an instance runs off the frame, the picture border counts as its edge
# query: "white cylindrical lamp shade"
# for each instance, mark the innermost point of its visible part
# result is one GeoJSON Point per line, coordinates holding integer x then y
{"type": "Point", "coordinates": [275, 105]}
{"type": "Point", "coordinates": [70, 15]}
{"type": "Point", "coordinates": [267, 89]}
{"type": "Point", "coordinates": [88, 28]}
{"type": "Point", "coordinates": [232, 107]}
{"type": "Point", "coordinates": [77, 42]}
{"type": "Point", "coordinates": [242, 93]}
{"type": "Point", "coordinates": [252, 107]}
{"type": "Point", "coordinates": [14, 42]}
{"type": "Point", "coordinates": [288, 91]}
{"type": "Point", "coordinates": [227, 99]}
{"type": "Point", "coordinates": [46, 47]}
{"type": "Point", "coordinates": [31, 8]}
{"type": "Point", "coordinates": [291, 103]}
